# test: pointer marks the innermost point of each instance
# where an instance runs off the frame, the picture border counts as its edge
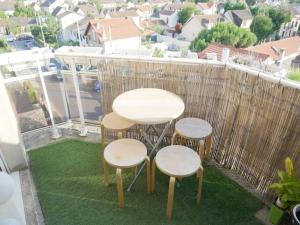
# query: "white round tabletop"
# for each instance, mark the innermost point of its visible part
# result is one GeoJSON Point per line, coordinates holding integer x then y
{"type": "Point", "coordinates": [148, 106]}
{"type": "Point", "coordinates": [177, 161]}
{"type": "Point", "coordinates": [193, 128]}
{"type": "Point", "coordinates": [125, 153]}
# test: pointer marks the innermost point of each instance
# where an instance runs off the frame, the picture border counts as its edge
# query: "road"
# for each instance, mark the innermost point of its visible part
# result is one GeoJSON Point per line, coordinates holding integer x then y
{"type": "Point", "coordinates": [20, 45]}
{"type": "Point", "coordinates": [90, 99]}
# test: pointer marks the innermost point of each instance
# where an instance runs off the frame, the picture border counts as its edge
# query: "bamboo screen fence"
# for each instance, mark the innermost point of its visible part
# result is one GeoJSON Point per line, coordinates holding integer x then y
{"type": "Point", "coordinates": [256, 123]}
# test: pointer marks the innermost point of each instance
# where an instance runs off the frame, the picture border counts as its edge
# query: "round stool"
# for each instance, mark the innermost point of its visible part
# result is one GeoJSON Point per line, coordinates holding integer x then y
{"type": "Point", "coordinates": [177, 161]}
{"type": "Point", "coordinates": [195, 129]}
{"type": "Point", "coordinates": [115, 123]}
{"type": "Point", "coordinates": [124, 153]}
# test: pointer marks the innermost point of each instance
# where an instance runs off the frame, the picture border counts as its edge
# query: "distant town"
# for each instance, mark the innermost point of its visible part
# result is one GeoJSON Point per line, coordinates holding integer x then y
{"type": "Point", "coordinates": [259, 33]}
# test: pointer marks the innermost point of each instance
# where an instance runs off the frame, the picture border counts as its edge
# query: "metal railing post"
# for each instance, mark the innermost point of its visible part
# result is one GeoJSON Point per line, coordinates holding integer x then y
{"type": "Point", "coordinates": [55, 132]}
{"type": "Point", "coordinates": [83, 129]}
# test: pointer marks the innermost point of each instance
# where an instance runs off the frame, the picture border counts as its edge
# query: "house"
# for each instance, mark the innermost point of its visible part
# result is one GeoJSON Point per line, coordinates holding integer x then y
{"type": "Point", "coordinates": [111, 5]}
{"type": "Point", "coordinates": [178, 6]}
{"type": "Point", "coordinates": [290, 29]}
{"type": "Point", "coordinates": [145, 11]}
{"type": "Point", "coordinates": [125, 14]}
{"type": "Point", "coordinates": [50, 5]}
{"type": "Point", "coordinates": [207, 8]}
{"type": "Point", "coordinates": [159, 3]}
{"type": "Point", "coordinates": [57, 11]}
{"type": "Point", "coordinates": [215, 51]}
{"type": "Point", "coordinates": [170, 17]}
{"type": "Point", "coordinates": [279, 51]}
{"type": "Point", "coordinates": [113, 34]}
{"type": "Point", "coordinates": [8, 7]}
{"type": "Point", "coordinates": [23, 24]}
{"type": "Point", "coordinates": [29, 2]}
{"type": "Point", "coordinates": [198, 23]}
{"type": "Point", "coordinates": [242, 18]}
{"type": "Point", "coordinates": [67, 18]}
{"type": "Point", "coordinates": [75, 31]}
{"type": "Point", "coordinates": [87, 10]}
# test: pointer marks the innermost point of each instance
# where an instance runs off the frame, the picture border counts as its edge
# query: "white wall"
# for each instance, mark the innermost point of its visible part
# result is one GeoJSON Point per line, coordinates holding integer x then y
{"type": "Point", "coordinates": [127, 43]}
{"type": "Point", "coordinates": [70, 19]}
{"type": "Point", "coordinates": [191, 30]}
{"type": "Point", "coordinates": [171, 20]}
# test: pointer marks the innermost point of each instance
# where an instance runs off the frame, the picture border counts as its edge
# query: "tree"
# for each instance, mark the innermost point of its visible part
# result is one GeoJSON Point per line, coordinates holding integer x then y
{"type": "Point", "coordinates": [224, 33]}
{"type": "Point", "coordinates": [251, 2]}
{"type": "Point", "coordinates": [185, 14]}
{"type": "Point", "coordinates": [3, 15]}
{"type": "Point", "coordinates": [279, 16]}
{"type": "Point", "coordinates": [178, 28]}
{"type": "Point", "coordinates": [254, 10]}
{"type": "Point", "coordinates": [197, 1]}
{"type": "Point", "coordinates": [262, 27]}
{"type": "Point", "coordinates": [232, 6]}
{"type": "Point", "coordinates": [97, 4]}
{"type": "Point", "coordinates": [4, 46]}
{"type": "Point", "coordinates": [23, 11]}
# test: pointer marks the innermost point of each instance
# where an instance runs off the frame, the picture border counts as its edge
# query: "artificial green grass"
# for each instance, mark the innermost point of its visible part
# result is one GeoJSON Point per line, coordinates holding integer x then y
{"type": "Point", "coordinates": [69, 182]}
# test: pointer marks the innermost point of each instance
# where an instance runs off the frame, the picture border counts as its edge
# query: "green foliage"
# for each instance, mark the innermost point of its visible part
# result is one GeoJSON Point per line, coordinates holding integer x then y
{"type": "Point", "coordinates": [279, 16]}
{"type": "Point", "coordinates": [4, 46]}
{"type": "Point", "coordinates": [158, 53]}
{"type": "Point", "coordinates": [23, 11]}
{"type": "Point", "coordinates": [254, 10]}
{"type": "Point", "coordinates": [262, 27]}
{"type": "Point", "coordinates": [288, 187]}
{"type": "Point", "coordinates": [30, 92]}
{"type": "Point", "coordinates": [294, 74]}
{"type": "Point", "coordinates": [96, 3]}
{"type": "Point", "coordinates": [158, 29]}
{"type": "Point", "coordinates": [185, 14]}
{"type": "Point", "coordinates": [3, 15]}
{"type": "Point", "coordinates": [232, 6]}
{"type": "Point", "coordinates": [224, 33]}
{"type": "Point", "coordinates": [197, 1]}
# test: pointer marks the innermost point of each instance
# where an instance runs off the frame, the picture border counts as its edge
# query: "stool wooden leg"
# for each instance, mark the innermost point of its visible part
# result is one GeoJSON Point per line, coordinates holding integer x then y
{"type": "Point", "coordinates": [148, 175]}
{"type": "Point", "coordinates": [153, 176]}
{"type": "Point", "coordinates": [201, 149]}
{"type": "Point", "coordinates": [208, 147]}
{"type": "Point", "coordinates": [133, 170]}
{"type": "Point", "coordinates": [173, 138]}
{"type": "Point", "coordinates": [200, 176]}
{"type": "Point", "coordinates": [170, 197]}
{"type": "Point", "coordinates": [105, 172]}
{"type": "Point", "coordinates": [120, 187]}
{"type": "Point", "coordinates": [102, 134]}
{"type": "Point", "coordinates": [120, 134]}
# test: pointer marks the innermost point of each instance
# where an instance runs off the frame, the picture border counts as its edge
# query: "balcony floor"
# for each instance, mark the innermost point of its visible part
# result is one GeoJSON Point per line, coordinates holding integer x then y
{"type": "Point", "coordinates": [69, 183]}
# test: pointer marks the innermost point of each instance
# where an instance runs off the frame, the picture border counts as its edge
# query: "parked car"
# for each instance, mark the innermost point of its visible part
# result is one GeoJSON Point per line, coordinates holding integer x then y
{"type": "Point", "coordinates": [28, 44]}
{"type": "Point", "coordinates": [97, 86]}
{"type": "Point", "coordinates": [53, 67]}
{"type": "Point", "coordinates": [9, 38]}
{"type": "Point", "coordinates": [24, 37]}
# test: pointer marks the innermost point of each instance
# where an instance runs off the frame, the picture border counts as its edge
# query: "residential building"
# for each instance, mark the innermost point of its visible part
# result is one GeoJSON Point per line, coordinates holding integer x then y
{"type": "Point", "coordinates": [145, 11]}
{"type": "Point", "coordinates": [207, 8]}
{"type": "Point", "coordinates": [50, 5]}
{"type": "Point", "coordinates": [67, 18]}
{"type": "Point", "coordinates": [87, 10]}
{"type": "Point", "coordinates": [290, 29]}
{"type": "Point", "coordinates": [178, 6]}
{"type": "Point", "coordinates": [22, 23]}
{"type": "Point", "coordinates": [111, 5]}
{"type": "Point", "coordinates": [170, 17]}
{"type": "Point", "coordinates": [242, 18]}
{"type": "Point", "coordinates": [279, 51]}
{"type": "Point", "coordinates": [159, 3]}
{"type": "Point", "coordinates": [75, 31]}
{"type": "Point", "coordinates": [29, 2]}
{"type": "Point", "coordinates": [125, 14]}
{"type": "Point", "coordinates": [57, 11]}
{"type": "Point", "coordinates": [113, 34]}
{"type": "Point", "coordinates": [8, 7]}
{"type": "Point", "coordinates": [198, 23]}
{"type": "Point", "coordinates": [216, 51]}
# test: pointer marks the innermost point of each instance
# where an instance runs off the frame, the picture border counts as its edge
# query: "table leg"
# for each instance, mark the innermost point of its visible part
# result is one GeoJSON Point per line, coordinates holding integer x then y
{"type": "Point", "coordinates": [105, 172]}
{"type": "Point", "coordinates": [200, 176]}
{"type": "Point", "coordinates": [148, 175]}
{"type": "Point", "coordinates": [208, 147]}
{"type": "Point", "coordinates": [120, 188]}
{"type": "Point", "coordinates": [159, 140]}
{"type": "Point", "coordinates": [153, 176]}
{"type": "Point", "coordinates": [170, 197]}
{"type": "Point", "coordinates": [102, 134]}
{"type": "Point", "coordinates": [133, 170]}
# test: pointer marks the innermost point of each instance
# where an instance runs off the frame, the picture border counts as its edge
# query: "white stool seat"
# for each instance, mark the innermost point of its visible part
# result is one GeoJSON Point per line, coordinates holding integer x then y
{"type": "Point", "coordinates": [193, 128]}
{"type": "Point", "coordinates": [125, 153]}
{"type": "Point", "coordinates": [112, 121]}
{"type": "Point", "coordinates": [177, 161]}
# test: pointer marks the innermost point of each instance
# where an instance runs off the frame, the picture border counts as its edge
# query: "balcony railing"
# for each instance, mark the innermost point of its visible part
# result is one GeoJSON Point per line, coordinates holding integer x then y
{"type": "Point", "coordinates": [255, 116]}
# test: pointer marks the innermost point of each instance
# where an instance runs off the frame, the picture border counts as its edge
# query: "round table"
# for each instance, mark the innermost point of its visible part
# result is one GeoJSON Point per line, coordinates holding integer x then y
{"type": "Point", "coordinates": [177, 161]}
{"type": "Point", "coordinates": [194, 129]}
{"type": "Point", "coordinates": [124, 153]}
{"type": "Point", "coordinates": [148, 106]}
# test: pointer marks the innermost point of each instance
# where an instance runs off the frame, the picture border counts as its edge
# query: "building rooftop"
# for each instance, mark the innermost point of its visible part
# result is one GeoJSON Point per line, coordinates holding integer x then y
{"type": "Point", "coordinates": [205, 5]}
{"type": "Point", "coordinates": [87, 9]}
{"type": "Point", "coordinates": [167, 12]}
{"type": "Point", "coordinates": [125, 13]}
{"type": "Point", "coordinates": [117, 28]}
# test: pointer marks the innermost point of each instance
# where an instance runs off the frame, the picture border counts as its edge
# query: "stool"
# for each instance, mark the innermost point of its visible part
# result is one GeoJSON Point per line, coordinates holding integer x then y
{"type": "Point", "coordinates": [124, 153]}
{"type": "Point", "coordinates": [194, 129]}
{"type": "Point", "coordinates": [115, 123]}
{"type": "Point", "coordinates": [177, 161]}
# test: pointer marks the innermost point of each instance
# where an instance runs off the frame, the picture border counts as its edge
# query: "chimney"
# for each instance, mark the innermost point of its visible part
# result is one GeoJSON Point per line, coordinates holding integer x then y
{"type": "Point", "coordinates": [225, 55]}
{"type": "Point", "coordinates": [281, 56]}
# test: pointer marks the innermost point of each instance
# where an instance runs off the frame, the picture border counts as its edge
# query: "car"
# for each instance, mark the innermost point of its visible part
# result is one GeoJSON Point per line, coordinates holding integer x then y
{"type": "Point", "coordinates": [97, 86]}
{"type": "Point", "coordinates": [9, 38]}
{"type": "Point", "coordinates": [28, 44]}
{"type": "Point", "coordinates": [52, 67]}
{"type": "Point", "coordinates": [24, 37]}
